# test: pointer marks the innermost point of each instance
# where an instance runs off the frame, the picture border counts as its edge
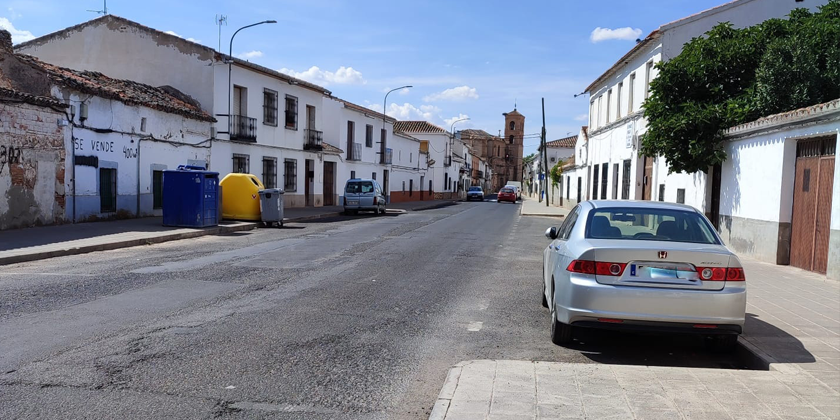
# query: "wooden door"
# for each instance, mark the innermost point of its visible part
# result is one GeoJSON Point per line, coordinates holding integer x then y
{"type": "Point", "coordinates": [812, 204]}
{"type": "Point", "coordinates": [307, 182]}
{"type": "Point", "coordinates": [329, 183]}
{"type": "Point", "coordinates": [310, 117]}
{"type": "Point", "coordinates": [647, 188]}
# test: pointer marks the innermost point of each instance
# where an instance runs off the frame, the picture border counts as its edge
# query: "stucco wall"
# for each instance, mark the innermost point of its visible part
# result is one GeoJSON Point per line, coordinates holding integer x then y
{"type": "Point", "coordinates": [127, 52]}
{"type": "Point", "coordinates": [32, 159]}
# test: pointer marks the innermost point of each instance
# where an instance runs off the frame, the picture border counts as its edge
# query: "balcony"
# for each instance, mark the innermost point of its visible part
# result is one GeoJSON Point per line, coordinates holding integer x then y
{"type": "Point", "coordinates": [389, 154]}
{"type": "Point", "coordinates": [479, 174]}
{"type": "Point", "coordinates": [313, 140]}
{"type": "Point", "coordinates": [243, 128]}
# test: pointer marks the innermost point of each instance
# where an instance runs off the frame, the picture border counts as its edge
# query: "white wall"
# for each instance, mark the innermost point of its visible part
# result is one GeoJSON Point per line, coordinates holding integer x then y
{"type": "Point", "coordinates": [127, 52]}
{"type": "Point", "coordinates": [113, 134]}
{"type": "Point", "coordinates": [438, 148]}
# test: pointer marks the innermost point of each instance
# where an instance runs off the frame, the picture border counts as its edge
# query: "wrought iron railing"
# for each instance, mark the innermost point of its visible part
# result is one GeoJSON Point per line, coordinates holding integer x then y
{"type": "Point", "coordinates": [313, 140]}
{"type": "Point", "coordinates": [356, 152]}
{"type": "Point", "coordinates": [243, 128]}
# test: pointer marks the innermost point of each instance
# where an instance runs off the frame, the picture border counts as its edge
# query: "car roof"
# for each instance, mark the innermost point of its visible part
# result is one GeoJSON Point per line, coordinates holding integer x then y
{"type": "Point", "coordinates": [360, 179]}
{"type": "Point", "coordinates": [600, 204]}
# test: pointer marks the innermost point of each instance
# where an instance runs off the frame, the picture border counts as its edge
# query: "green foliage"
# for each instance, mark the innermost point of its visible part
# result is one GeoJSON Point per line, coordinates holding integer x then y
{"type": "Point", "coordinates": [732, 76]}
{"type": "Point", "coordinates": [556, 172]}
{"type": "Point", "coordinates": [529, 159]}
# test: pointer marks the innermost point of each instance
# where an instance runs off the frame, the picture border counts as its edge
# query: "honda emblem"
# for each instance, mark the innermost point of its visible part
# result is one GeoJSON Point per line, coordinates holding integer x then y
{"type": "Point", "coordinates": [663, 255]}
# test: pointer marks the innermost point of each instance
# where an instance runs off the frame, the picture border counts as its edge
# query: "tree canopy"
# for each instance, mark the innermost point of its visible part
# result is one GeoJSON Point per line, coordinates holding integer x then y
{"type": "Point", "coordinates": [733, 76]}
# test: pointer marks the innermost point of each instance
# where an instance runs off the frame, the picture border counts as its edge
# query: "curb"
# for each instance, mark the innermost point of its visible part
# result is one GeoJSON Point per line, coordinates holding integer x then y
{"type": "Point", "coordinates": [313, 217]}
{"type": "Point", "coordinates": [435, 206]}
{"type": "Point", "coordinates": [446, 393]}
{"type": "Point", "coordinates": [753, 356]}
{"type": "Point", "coordinates": [35, 256]}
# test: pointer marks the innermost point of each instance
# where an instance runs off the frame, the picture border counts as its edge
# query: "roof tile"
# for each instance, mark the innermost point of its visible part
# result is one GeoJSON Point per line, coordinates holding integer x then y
{"type": "Point", "coordinates": [417, 127]}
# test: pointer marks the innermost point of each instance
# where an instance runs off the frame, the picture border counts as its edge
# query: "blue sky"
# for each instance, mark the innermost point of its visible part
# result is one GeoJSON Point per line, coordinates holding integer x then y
{"type": "Point", "coordinates": [471, 58]}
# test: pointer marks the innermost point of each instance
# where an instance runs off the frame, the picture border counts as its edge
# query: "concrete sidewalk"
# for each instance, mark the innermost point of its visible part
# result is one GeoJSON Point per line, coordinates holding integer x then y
{"type": "Point", "coordinates": [532, 207]}
{"type": "Point", "coordinates": [31, 244]}
{"type": "Point", "coordinates": [792, 328]}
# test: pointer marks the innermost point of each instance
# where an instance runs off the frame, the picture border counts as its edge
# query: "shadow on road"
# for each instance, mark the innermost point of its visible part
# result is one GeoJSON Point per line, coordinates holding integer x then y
{"type": "Point", "coordinates": [780, 345]}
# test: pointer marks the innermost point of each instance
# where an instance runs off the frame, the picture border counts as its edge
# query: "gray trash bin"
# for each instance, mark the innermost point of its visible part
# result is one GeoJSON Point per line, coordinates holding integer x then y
{"type": "Point", "coordinates": [271, 206]}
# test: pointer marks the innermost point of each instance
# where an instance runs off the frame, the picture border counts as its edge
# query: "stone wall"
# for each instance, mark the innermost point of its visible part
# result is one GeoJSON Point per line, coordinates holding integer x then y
{"type": "Point", "coordinates": [32, 162]}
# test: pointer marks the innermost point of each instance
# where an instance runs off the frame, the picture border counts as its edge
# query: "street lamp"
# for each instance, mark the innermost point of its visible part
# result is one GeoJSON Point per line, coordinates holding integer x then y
{"type": "Point", "coordinates": [230, 64]}
{"type": "Point", "coordinates": [384, 114]}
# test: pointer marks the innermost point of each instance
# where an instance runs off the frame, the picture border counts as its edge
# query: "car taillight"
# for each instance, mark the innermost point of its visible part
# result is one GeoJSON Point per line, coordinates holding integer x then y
{"type": "Point", "coordinates": [721, 274]}
{"type": "Point", "coordinates": [598, 268]}
{"type": "Point", "coordinates": [375, 199]}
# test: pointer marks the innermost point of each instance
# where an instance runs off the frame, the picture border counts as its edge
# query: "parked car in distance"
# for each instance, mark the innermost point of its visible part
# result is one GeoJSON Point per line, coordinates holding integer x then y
{"type": "Point", "coordinates": [363, 195]}
{"type": "Point", "coordinates": [475, 193]}
{"type": "Point", "coordinates": [642, 266]}
{"type": "Point", "coordinates": [507, 194]}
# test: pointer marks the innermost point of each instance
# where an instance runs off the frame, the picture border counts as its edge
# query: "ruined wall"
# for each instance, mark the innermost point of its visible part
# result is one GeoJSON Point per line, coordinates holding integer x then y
{"type": "Point", "coordinates": [32, 158]}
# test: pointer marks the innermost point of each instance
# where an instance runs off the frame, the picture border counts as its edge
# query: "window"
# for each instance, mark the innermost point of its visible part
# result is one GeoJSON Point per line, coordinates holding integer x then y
{"type": "Point", "coordinates": [609, 103]}
{"type": "Point", "coordinates": [592, 115]}
{"type": "Point", "coordinates": [661, 192]}
{"type": "Point", "coordinates": [363, 187]}
{"type": "Point", "coordinates": [512, 126]}
{"type": "Point", "coordinates": [351, 136]}
{"type": "Point", "coordinates": [568, 184]}
{"type": "Point", "coordinates": [241, 164]}
{"type": "Point", "coordinates": [446, 180]}
{"type": "Point", "coordinates": [107, 190]}
{"type": "Point", "coordinates": [403, 186]}
{"type": "Point", "coordinates": [373, 176]}
{"type": "Point", "coordinates": [240, 101]}
{"type": "Point", "coordinates": [269, 172]}
{"type": "Point", "coordinates": [579, 190]}
{"type": "Point", "coordinates": [605, 168]}
{"type": "Point", "coordinates": [369, 136]}
{"type": "Point", "coordinates": [291, 112]}
{"type": "Point", "coordinates": [681, 195]}
{"type": "Point", "coordinates": [566, 228]}
{"type": "Point", "coordinates": [269, 107]}
{"type": "Point", "coordinates": [290, 175]}
{"type": "Point", "coordinates": [410, 157]}
{"type": "Point", "coordinates": [410, 187]}
{"type": "Point", "coordinates": [430, 185]}
{"type": "Point", "coordinates": [625, 180]}
{"type": "Point", "coordinates": [511, 139]}
{"type": "Point", "coordinates": [618, 101]}
{"type": "Point", "coordinates": [352, 174]}
{"type": "Point", "coordinates": [630, 93]}
{"type": "Point", "coordinates": [598, 115]}
{"type": "Point", "coordinates": [649, 224]}
{"type": "Point", "coordinates": [157, 190]}
{"type": "Point", "coordinates": [595, 171]}
{"type": "Point", "coordinates": [648, 70]}
{"type": "Point", "coordinates": [615, 181]}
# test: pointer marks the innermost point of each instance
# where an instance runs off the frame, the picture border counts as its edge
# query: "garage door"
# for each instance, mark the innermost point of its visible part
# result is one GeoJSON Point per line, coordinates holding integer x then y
{"type": "Point", "coordinates": [812, 203]}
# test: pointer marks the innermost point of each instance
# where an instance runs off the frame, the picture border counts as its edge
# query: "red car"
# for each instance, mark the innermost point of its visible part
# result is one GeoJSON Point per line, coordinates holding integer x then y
{"type": "Point", "coordinates": [507, 194]}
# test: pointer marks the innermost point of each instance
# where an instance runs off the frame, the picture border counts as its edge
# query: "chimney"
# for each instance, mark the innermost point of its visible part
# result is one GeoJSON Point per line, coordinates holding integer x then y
{"type": "Point", "coordinates": [6, 41]}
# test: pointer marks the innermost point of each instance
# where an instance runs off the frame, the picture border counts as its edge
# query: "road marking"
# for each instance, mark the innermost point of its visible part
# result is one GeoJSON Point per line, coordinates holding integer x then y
{"type": "Point", "coordinates": [48, 274]}
{"type": "Point", "coordinates": [475, 326]}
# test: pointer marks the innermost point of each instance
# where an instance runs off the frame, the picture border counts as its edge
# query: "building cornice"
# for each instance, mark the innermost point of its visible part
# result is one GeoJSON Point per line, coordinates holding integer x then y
{"type": "Point", "coordinates": [828, 111]}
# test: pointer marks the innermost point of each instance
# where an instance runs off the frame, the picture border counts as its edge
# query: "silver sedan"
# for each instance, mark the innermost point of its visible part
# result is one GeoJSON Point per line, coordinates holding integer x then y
{"type": "Point", "coordinates": [644, 266]}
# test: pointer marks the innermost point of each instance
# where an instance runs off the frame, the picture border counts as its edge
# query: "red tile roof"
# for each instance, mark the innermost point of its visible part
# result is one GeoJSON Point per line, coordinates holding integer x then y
{"type": "Point", "coordinates": [471, 133]}
{"type": "Point", "coordinates": [126, 91]}
{"type": "Point", "coordinates": [417, 127]}
{"type": "Point", "coordinates": [328, 148]}
{"type": "Point", "coordinates": [564, 142]}
{"type": "Point", "coordinates": [18, 96]}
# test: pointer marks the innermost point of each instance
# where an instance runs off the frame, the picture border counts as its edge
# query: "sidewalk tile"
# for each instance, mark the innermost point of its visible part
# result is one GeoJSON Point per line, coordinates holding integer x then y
{"type": "Point", "coordinates": [574, 411]}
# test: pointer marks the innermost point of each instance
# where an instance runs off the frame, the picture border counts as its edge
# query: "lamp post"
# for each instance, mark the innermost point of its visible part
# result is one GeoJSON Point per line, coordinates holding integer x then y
{"type": "Point", "coordinates": [230, 65]}
{"type": "Point", "coordinates": [384, 114]}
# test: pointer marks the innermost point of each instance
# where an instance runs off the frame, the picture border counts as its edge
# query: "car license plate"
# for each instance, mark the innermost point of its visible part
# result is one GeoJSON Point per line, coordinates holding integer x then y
{"type": "Point", "coordinates": [353, 202]}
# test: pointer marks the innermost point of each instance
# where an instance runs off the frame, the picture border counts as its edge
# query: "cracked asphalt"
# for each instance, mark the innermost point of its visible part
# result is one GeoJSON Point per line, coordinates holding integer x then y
{"type": "Point", "coordinates": [341, 318]}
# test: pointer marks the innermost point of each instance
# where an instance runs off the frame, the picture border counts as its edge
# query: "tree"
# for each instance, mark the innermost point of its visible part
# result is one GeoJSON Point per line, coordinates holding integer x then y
{"type": "Point", "coordinates": [529, 159]}
{"type": "Point", "coordinates": [557, 172]}
{"type": "Point", "coordinates": [732, 76]}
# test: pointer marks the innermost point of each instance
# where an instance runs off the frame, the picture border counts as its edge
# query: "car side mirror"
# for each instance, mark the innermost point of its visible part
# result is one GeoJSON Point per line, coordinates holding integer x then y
{"type": "Point", "coordinates": [551, 233]}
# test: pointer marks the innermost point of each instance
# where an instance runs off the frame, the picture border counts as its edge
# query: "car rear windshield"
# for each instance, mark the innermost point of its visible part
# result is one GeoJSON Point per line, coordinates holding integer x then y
{"type": "Point", "coordinates": [650, 224]}
{"type": "Point", "coordinates": [507, 190]}
{"type": "Point", "coordinates": [475, 189]}
{"type": "Point", "coordinates": [362, 187]}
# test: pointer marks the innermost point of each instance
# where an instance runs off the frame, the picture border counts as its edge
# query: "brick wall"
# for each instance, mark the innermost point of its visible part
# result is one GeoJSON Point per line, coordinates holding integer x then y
{"type": "Point", "coordinates": [32, 165]}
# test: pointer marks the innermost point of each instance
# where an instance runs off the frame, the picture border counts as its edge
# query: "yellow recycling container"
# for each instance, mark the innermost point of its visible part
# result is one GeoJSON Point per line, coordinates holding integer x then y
{"type": "Point", "coordinates": [240, 197]}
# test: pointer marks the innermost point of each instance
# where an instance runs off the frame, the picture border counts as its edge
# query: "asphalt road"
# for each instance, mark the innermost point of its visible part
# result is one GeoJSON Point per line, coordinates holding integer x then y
{"type": "Point", "coordinates": [352, 317]}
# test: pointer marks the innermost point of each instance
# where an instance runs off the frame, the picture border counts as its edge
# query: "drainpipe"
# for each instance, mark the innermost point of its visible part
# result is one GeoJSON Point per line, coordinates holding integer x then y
{"type": "Point", "coordinates": [138, 176]}
{"type": "Point", "coordinates": [73, 168]}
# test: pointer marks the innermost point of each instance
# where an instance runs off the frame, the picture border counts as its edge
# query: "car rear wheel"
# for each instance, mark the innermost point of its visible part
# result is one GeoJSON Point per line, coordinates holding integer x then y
{"type": "Point", "coordinates": [560, 333]}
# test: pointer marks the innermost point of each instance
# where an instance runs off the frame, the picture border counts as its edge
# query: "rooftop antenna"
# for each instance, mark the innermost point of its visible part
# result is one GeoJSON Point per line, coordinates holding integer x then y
{"type": "Point", "coordinates": [104, 10]}
{"type": "Point", "coordinates": [220, 20]}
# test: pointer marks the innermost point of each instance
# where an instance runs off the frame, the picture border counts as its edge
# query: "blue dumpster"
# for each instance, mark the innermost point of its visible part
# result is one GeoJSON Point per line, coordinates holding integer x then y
{"type": "Point", "coordinates": [191, 197]}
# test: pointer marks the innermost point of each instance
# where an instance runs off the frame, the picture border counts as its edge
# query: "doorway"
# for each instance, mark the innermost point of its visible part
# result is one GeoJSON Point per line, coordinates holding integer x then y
{"type": "Point", "coordinates": [647, 188]}
{"type": "Point", "coordinates": [329, 183]}
{"type": "Point", "coordinates": [812, 203]}
{"type": "Point", "coordinates": [386, 185]}
{"type": "Point", "coordinates": [309, 181]}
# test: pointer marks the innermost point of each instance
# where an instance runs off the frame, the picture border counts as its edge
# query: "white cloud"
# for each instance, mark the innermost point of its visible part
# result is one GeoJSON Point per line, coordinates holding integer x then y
{"type": "Point", "coordinates": [405, 91]}
{"type": "Point", "coordinates": [460, 93]}
{"type": "Point", "coordinates": [408, 111]}
{"type": "Point", "coordinates": [582, 117]}
{"type": "Point", "coordinates": [342, 76]}
{"type": "Point", "coordinates": [604, 34]}
{"type": "Point", "coordinates": [14, 15]}
{"type": "Point", "coordinates": [18, 35]}
{"type": "Point", "coordinates": [179, 36]}
{"type": "Point", "coordinates": [461, 124]}
{"type": "Point", "coordinates": [250, 55]}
